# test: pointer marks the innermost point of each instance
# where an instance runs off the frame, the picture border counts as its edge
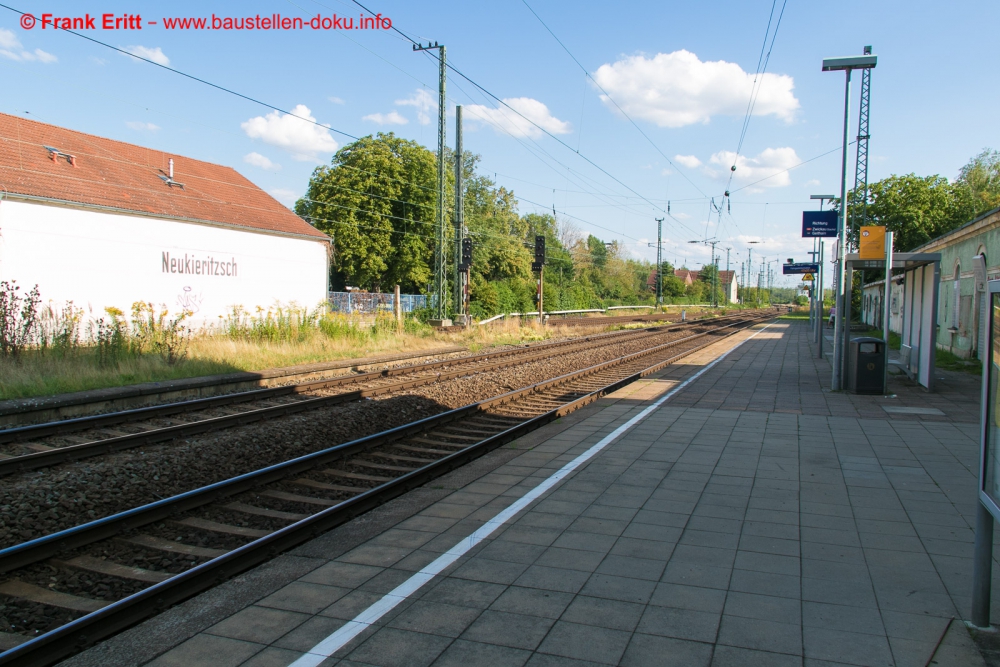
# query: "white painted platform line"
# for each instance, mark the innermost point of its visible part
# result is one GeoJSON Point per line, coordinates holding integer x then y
{"type": "Point", "coordinates": [359, 623]}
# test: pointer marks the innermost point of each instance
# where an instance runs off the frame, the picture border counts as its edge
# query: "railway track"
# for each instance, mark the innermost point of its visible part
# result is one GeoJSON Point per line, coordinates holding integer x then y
{"type": "Point", "coordinates": [88, 582]}
{"type": "Point", "coordinates": [42, 445]}
{"type": "Point", "coordinates": [595, 321]}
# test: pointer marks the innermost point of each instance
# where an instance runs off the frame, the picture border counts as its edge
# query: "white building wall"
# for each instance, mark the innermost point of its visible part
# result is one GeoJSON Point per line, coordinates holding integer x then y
{"type": "Point", "coordinates": [98, 259]}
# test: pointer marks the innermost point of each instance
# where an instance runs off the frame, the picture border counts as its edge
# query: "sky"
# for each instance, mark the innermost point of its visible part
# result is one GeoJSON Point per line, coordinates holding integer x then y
{"type": "Point", "coordinates": [617, 111]}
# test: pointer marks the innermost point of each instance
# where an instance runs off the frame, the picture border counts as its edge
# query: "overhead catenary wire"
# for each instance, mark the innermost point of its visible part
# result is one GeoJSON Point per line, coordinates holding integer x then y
{"type": "Point", "coordinates": [762, 61]}
{"type": "Point", "coordinates": [500, 101]}
{"type": "Point", "coordinates": [794, 166]}
{"type": "Point", "coordinates": [611, 99]}
{"type": "Point", "coordinates": [117, 159]}
{"type": "Point", "coordinates": [351, 136]}
{"type": "Point", "coordinates": [193, 77]}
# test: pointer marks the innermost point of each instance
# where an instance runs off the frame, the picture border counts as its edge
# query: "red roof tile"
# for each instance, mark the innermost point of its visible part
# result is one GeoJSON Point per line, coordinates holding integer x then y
{"type": "Point", "coordinates": [125, 176]}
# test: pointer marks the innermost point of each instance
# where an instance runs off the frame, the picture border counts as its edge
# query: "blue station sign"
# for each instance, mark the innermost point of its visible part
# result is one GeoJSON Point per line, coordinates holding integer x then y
{"type": "Point", "coordinates": [799, 267]}
{"type": "Point", "coordinates": [819, 224]}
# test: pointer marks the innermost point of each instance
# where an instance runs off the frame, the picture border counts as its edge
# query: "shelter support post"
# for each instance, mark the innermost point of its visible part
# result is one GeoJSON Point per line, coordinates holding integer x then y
{"type": "Point", "coordinates": [820, 276]}
{"type": "Point", "coordinates": [845, 341]}
{"type": "Point", "coordinates": [886, 301]}
{"type": "Point", "coordinates": [982, 567]}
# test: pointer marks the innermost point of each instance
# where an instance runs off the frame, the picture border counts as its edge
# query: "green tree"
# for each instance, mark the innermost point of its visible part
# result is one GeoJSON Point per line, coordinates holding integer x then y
{"type": "Point", "coordinates": [917, 209]}
{"type": "Point", "coordinates": [981, 175]}
{"type": "Point", "coordinates": [377, 201]}
{"type": "Point", "coordinates": [673, 287]}
{"type": "Point", "coordinates": [598, 251]}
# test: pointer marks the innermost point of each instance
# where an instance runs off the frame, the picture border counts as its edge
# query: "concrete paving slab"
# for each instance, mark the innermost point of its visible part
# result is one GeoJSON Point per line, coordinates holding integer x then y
{"type": "Point", "coordinates": [754, 519]}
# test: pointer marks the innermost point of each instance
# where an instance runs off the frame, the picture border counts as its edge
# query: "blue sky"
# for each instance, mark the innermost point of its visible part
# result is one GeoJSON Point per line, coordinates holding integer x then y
{"type": "Point", "coordinates": [682, 72]}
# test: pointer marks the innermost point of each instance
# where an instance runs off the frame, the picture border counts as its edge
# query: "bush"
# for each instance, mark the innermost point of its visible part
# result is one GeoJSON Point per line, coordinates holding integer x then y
{"type": "Point", "coordinates": [278, 324]}
{"type": "Point", "coordinates": [18, 318]}
{"type": "Point", "coordinates": [60, 330]}
{"type": "Point", "coordinates": [148, 331]}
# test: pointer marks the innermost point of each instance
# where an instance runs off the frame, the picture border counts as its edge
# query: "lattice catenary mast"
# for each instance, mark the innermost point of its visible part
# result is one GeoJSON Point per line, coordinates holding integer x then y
{"type": "Point", "coordinates": [440, 251]}
{"type": "Point", "coordinates": [859, 207]}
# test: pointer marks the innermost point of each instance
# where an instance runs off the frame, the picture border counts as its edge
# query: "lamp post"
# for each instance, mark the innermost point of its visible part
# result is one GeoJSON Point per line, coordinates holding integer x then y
{"type": "Point", "coordinates": [847, 65]}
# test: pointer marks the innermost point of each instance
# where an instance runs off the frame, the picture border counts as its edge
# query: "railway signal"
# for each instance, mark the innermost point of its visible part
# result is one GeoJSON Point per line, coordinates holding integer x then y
{"type": "Point", "coordinates": [539, 253]}
{"type": "Point", "coordinates": [466, 262]}
{"type": "Point", "coordinates": [538, 265]}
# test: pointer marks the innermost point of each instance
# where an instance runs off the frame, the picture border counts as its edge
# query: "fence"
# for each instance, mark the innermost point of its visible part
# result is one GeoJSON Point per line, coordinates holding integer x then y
{"type": "Point", "coordinates": [371, 302]}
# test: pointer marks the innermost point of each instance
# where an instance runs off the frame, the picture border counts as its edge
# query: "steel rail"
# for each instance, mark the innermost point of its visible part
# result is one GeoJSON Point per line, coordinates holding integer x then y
{"type": "Point", "coordinates": [165, 410]}
{"type": "Point", "coordinates": [70, 453]}
{"type": "Point", "coordinates": [43, 547]}
{"type": "Point", "coordinates": [87, 630]}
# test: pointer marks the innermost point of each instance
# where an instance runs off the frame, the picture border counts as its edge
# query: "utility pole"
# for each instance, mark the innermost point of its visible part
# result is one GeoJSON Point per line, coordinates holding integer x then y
{"type": "Point", "coordinates": [727, 274]}
{"type": "Point", "coordinates": [715, 277]}
{"type": "Point", "coordinates": [659, 260]}
{"type": "Point", "coordinates": [756, 296]}
{"type": "Point", "coordinates": [742, 297]}
{"type": "Point", "coordinates": [760, 281]}
{"type": "Point", "coordinates": [459, 275]}
{"type": "Point", "coordinates": [440, 259]}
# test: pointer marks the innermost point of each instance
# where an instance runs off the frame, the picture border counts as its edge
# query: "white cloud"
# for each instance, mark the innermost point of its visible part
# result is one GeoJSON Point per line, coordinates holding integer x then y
{"type": "Point", "coordinates": [141, 126]}
{"type": "Point", "coordinates": [810, 183]}
{"type": "Point", "coordinates": [666, 172]}
{"type": "Point", "coordinates": [303, 139]}
{"type": "Point", "coordinates": [533, 115]}
{"type": "Point", "coordinates": [11, 47]}
{"type": "Point", "coordinates": [335, 99]}
{"type": "Point", "coordinates": [423, 101]}
{"type": "Point", "coordinates": [285, 196]}
{"type": "Point", "coordinates": [771, 164]}
{"type": "Point", "coordinates": [689, 161]}
{"type": "Point", "coordinates": [677, 89]}
{"type": "Point", "coordinates": [391, 118]}
{"type": "Point", "coordinates": [258, 160]}
{"type": "Point", "coordinates": [155, 54]}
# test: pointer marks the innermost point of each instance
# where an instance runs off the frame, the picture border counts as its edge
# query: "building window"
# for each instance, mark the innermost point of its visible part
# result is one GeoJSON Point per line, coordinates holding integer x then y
{"type": "Point", "coordinates": [957, 296]}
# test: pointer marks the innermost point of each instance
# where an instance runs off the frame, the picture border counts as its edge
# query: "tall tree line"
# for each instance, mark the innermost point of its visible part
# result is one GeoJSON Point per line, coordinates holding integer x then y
{"type": "Point", "coordinates": [377, 200]}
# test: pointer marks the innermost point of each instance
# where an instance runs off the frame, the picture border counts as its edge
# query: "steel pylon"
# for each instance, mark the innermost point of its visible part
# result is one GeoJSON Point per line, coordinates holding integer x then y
{"type": "Point", "coordinates": [859, 201]}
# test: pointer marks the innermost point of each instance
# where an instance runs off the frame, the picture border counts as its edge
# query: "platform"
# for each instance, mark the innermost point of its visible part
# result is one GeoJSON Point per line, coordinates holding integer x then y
{"type": "Point", "coordinates": [753, 518]}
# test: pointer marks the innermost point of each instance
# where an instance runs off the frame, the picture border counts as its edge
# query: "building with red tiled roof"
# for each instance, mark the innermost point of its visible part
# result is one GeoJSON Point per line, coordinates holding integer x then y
{"type": "Point", "coordinates": [688, 277]}
{"type": "Point", "coordinates": [727, 280]}
{"type": "Point", "coordinates": [104, 223]}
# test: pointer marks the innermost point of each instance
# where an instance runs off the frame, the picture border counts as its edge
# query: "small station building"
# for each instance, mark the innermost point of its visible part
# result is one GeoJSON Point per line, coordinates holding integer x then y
{"type": "Point", "coordinates": [104, 223]}
{"type": "Point", "coordinates": [970, 255]}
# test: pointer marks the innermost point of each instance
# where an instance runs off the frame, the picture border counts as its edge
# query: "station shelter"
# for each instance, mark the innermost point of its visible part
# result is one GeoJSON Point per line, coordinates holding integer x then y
{"type": "Point", "coordinates": [916, 304]}
{"type": "Point", "coordinates": [970, 256]}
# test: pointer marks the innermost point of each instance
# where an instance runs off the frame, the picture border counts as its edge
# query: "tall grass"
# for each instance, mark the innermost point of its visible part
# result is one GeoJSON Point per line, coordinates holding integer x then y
{"type": "Point", "coordinates": [64, 351]}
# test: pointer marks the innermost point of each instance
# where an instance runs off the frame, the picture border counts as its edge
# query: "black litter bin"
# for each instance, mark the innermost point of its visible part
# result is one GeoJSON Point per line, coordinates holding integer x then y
{"type": "Point", "coordinates": [866, 370]}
